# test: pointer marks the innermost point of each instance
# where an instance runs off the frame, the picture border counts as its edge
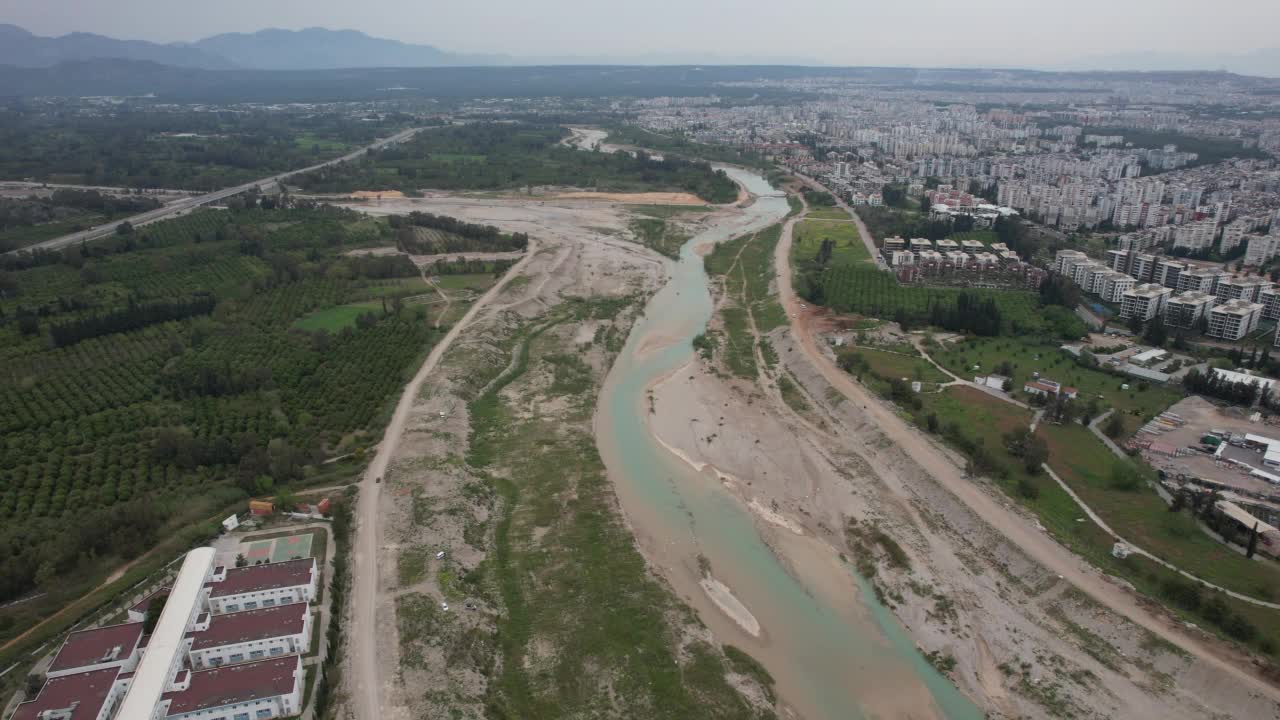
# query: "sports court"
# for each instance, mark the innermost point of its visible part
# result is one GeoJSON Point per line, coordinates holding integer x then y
{"type": "Point", "coordinates": [277, 549]}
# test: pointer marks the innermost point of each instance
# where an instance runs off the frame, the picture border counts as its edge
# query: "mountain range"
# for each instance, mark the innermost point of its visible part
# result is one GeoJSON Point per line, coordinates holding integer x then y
{"type": "Point", "coordinates": [272, 49]}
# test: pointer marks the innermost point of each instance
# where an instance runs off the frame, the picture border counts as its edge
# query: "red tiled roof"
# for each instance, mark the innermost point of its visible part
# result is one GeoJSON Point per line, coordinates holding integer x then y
{"type": "Point", "coordinates": [251, 625]}
{"type": "Point", "coordinates": [236, 684]}
{"type": "Point", "coordinates": [145, 602]}
{"type": "Point", "coordinates": [263, 577]}
{"type": "Point", "coordinates": [89, 688]}
{"type": "Point", "coordinates": [90, 647]}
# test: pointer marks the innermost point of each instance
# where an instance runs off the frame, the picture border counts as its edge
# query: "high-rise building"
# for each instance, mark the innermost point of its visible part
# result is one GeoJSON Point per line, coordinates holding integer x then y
{"type": "Point", "coordinates": [1144, 301]}
{"type": "Point", "coordinates": [1233, 320]}
{"type": "Point", "coordinates": [1184, 310]}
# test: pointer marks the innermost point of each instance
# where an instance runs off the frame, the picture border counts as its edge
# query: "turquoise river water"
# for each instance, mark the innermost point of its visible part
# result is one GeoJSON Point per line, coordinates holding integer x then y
{"type": "Point", "coordinates": [831, 662]}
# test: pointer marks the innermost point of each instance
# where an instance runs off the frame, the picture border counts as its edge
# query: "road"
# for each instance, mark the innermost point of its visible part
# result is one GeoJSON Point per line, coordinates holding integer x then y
{"type": "Point", "coordinates": [365, 684]}
{"type": "Point", "coordinates": [1037, 545]}
{"type": "Point", "coordinates": [186, 205]}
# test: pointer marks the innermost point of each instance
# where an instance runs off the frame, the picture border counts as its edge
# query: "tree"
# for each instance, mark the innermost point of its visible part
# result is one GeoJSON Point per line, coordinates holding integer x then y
{"type": "Point", "coordinates": [153, 613]}
{"type": "Point", "coordinates": [241, 561]}
{"type": "Point", "coordinates": [125, 228]}
{"type": "Point", "coordinates": [931, 422]}
{"type": "Point", "coordinates": [1114, 425]}
{"type": "Point", "coordinates": [1156, 334]}
{"type": "Point", "coordinates": [1253, 542]}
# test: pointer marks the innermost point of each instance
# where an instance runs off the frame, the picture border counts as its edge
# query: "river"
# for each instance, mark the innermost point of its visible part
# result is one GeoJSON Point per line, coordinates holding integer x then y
{"type": "Point", "coordinates": [835, 652]}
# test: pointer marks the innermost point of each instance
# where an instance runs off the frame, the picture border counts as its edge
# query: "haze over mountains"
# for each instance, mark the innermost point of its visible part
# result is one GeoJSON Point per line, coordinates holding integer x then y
{"type": "Point", "coordinates": [272, 49]}
{"type": "Point", "coordinates": [324, 49]}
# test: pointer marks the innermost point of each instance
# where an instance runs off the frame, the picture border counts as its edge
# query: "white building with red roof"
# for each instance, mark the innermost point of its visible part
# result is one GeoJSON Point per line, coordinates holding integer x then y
{"type": "Point", "coordinates": [256, 586]}
{"type": "Point", "coordinates": [198, 662]}
{"type": "Point", "coordinates": [250, 635]}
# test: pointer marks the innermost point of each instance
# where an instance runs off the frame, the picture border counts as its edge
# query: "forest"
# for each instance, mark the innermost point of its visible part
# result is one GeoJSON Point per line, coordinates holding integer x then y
{"type": "Point", "coordinates": [514, 156]}
{"type": "Point", "coordinates": [182, 150]}
{"type": "Point", "coordinates": [144, 376]}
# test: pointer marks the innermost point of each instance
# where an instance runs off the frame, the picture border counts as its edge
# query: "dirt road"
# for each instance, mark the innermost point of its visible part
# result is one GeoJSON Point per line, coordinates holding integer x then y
{"type": "Point", "coordinates": [1017, 529]}
{"type": "Point", "coordinates": [365, 684]}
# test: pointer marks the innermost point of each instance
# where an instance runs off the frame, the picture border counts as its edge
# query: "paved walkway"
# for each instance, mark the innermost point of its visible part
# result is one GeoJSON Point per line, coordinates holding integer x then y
{"type": "Point", "coordinates": [1093, 428]}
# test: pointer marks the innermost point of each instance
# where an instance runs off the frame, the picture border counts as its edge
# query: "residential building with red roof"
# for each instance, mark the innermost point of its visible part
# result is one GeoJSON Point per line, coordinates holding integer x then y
{"type": "Point", "coordinates": [265, 689]}
{"type": "Point", "coordinates": [91, 695]}
{"type": "Point", "coordinates": [255, 586]}
{"type": "Point", "coordinates": [250, 635]}
{"type": "Point", "coordinates": [112, 646]}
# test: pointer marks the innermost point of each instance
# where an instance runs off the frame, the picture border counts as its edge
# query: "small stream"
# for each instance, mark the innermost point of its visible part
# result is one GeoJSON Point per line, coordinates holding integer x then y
{"type": "Point", "coordinates": [827, 658]}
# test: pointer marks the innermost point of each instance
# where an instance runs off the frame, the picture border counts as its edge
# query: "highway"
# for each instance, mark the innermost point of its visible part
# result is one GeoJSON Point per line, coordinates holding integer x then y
{"type": "Point", "coordinates": [186, 205]}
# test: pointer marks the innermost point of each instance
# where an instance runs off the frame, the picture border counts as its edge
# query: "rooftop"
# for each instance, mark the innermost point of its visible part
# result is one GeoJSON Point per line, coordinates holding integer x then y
{"type": "Point", "coordinates": [264, 577]}
{"type": "Point", "coordinates": [89, 689]}
{"type": "Point", "coordinates": [251, 625]}
{"type": "Point", "coordinates": [236, 684]}
{"type": "Point", "coordinates": [1148, 290]}
{"type": "Point", "coordinates": [1192, 297]}
{"type": "Point", "coordinates": [99, 645]}
{"type": "Point", "coordinates": [1237, 307]}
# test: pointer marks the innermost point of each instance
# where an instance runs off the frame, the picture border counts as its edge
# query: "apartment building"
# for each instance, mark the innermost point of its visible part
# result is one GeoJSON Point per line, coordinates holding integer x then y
{"type": "Point", "coordinates": [249, 588]}
{"type": "Point", "coordinates": [1200, 280]}
{"type": "Point", "coordinates": [1262, 248]}
{"type": "Point", "coordinates": [1234, 319]}
{"type": "Point", "coordinates": [1270, 299]}
{"type": "Point", "coordinates": [1195, 236]}
{"type": "Point", "coordinates": [1112, 286]}
{"type": "Point", "coordinates": [1167, 273]}
{"type": "Point", "coordinates": [1065, 261]}
{"type": "Point", "coordinates": [1184, 310]}
{"type": "Point", "coordinates": [1144, 301]}
{"type": "Point", "coordinates": [1240, 288]}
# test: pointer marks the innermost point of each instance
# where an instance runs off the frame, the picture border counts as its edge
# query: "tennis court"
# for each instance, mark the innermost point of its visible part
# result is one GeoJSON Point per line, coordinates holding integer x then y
{"type": "Point", "coordinates": [278, 549]}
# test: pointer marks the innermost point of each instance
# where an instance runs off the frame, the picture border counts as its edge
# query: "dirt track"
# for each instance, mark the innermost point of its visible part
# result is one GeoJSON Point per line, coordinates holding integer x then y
{"type": "Point", "coordinates": [365, 682]}
{"type": "Point", "coordinates": [1017, 529]}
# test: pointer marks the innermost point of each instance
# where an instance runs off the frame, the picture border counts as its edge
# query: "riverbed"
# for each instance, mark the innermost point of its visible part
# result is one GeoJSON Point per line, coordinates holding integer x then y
{"type": "Point", "coordinates": [782, 595]}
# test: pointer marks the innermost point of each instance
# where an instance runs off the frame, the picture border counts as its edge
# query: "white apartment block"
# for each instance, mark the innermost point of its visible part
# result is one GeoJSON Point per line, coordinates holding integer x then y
{"type": "Point", "coordinates": [1085, 270]}
{"type": "Point", "coordinates": [1234, 319]}
{"type": "Point", "coordinates": [1195, 236]}
{"type": "Point", "coordinates": [1113, 285]}
{"type": "Point", "coordinates": [1167, 273]}
{"type": "Point", "coordinates": [1240, 288]}
{"type": "Point", "coordinates": [1205, 281]}
{"type": "Point", "coordinates": [1066, 260]}
{"type": "Point", "coordinates": [1143, 267]}
{"type": "Point", "coordinates": [1185, 309]}
{"type": "Point", "coordinates": [1270, 299]}
{"type": "Point", "coordinates": [1262, 248]}
{"type": "Point", "coordinates": [1144, 301]}
{"type": "Point", "coordinates": [1118, 260]}
{"type": "Point", "coordinates": [1233, 234]}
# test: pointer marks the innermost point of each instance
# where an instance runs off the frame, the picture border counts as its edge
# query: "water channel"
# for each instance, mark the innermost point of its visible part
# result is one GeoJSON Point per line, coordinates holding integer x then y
{"type": "Point", "coordinates": [830, 655]}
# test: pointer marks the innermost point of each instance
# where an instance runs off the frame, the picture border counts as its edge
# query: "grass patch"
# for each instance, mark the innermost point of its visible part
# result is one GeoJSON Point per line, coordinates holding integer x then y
{"type": "Point", "coordinates": [336, 318]}
{"type": "Point", "coordinates": [827, 213]}
{"type": "Point", "coordinates": [411, 565]}
{"type": "Point", "coordinates": [809, 235]}
{"type": "Point", "coordinates": [792, 395]}
{"type": "Point", "coordinates": [898, 365]}
{"type": "Point", "coordinates": [659, 235]}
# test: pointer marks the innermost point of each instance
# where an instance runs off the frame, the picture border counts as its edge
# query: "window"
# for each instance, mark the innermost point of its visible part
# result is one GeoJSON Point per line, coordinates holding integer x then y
{"type": "Point", "coordinates": [242, 716]}
{"type": "Point", "coordinates": [251, 605]}
{"type": "Point", "coordinates": [237, 657]}
{"type": "Point", "coordinates": [264, 713]}
{"type": "Point", "coordinates": [255, 654]}
{"type": "Point", "coordinates": [277, 651]}
{"type": "Point", "coordinates": [268, 602]}
{"type": "Point", "coordinates": [232, 607]}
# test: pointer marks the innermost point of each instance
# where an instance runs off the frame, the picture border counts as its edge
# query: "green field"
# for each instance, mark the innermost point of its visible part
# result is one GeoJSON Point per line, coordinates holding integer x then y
{"type": "Point", "coordinates": [336, 318]}
{"type": "Point", "coordinates": [745, 267]}
{"type": "Point", "coordinates": [827, 213]}
{"type": "Point", "coordinates": [1141, 516]}
{"type": "Point", "coordinates": [809, 234]}
{"type": "Point", "coordinates": [974, 421]}
{"type": "Point", "coordinates": [478, 282]}
{"type": "Point", "coordinates": [1027, 356]}
{"type": "Point", "coordinates": [897, 365]}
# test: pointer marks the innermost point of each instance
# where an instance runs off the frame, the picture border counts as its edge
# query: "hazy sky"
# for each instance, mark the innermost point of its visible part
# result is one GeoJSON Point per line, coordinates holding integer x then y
{"type": "Point", "coordinates": [1032, 33]}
